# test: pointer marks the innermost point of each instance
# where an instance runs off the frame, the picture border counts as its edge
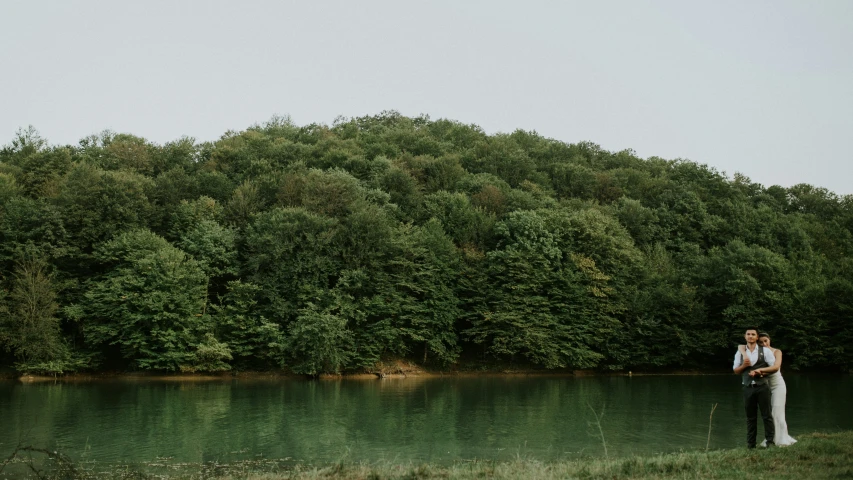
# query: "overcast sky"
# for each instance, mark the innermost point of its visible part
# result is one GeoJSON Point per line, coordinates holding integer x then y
{"type": "Point", "coordinates": [764, 88]}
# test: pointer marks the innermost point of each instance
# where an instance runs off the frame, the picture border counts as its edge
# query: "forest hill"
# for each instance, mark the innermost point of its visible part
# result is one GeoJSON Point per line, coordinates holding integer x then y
{"type": "Point", "coordinates": [329, 248]}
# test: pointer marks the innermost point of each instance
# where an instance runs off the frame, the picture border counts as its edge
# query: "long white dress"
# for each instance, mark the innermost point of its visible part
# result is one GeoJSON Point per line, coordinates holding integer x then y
{"type": "Point", "coordinates": [778, 396]}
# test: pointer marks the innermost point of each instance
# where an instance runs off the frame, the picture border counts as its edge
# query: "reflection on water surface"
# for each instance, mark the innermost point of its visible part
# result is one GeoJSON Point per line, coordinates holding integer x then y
{"type": "Point", "coordinates": [412, 419]}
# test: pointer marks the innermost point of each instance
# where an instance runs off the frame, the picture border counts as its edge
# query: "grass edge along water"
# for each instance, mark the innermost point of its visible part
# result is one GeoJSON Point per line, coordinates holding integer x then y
{"type": "Point", "coordinates": [814, 456]}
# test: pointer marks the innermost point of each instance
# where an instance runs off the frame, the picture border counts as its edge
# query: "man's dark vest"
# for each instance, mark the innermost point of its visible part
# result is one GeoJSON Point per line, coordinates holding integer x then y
{"type": "Point", "coordinates": [761, 363]}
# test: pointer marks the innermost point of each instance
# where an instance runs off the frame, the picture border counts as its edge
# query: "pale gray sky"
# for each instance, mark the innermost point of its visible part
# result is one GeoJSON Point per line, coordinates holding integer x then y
{"type": "Point", "coordinates": [762, 87]}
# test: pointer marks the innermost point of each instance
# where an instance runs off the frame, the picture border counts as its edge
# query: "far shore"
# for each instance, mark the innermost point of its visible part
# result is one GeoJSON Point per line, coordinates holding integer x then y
{"type": "Point", "coordinates": [284, 375]}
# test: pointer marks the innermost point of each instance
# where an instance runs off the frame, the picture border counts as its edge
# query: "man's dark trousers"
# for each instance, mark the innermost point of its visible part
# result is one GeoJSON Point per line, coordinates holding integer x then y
{"type": "Point", "coordinates": [757, 397]}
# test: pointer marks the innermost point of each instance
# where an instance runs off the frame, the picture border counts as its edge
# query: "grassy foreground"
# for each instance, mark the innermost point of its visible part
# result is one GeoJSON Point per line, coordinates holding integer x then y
{"type": "Point", "coordinates": [815, 456]}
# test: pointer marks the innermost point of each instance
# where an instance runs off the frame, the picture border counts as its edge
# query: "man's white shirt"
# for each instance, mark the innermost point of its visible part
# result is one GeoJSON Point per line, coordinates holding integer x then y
{"type": "Point", "coordinates": [753, 357]}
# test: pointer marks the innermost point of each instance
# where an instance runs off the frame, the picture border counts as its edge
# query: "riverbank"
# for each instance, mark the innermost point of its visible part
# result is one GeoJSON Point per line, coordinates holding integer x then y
{"type": "Point", "coordinates": [387, 369]}
{"type": "Point", "coordinates": [815, 456]}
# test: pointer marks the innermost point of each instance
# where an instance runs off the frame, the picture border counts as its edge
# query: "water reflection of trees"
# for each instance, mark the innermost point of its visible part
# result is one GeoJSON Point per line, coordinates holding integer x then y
{"type": "Point", "coordinates": [430, 419]}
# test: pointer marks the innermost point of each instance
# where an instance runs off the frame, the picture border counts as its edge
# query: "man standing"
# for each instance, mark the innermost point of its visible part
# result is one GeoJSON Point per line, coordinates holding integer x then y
{"type": "Point", "coordinates": [756, 392]}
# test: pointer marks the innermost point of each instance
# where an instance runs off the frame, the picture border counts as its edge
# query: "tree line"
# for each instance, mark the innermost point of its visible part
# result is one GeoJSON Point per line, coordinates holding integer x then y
{"type": "Point", "coordinates": [331, 248]}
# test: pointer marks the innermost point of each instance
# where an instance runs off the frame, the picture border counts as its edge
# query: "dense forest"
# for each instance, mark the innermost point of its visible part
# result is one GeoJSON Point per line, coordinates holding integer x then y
{"type": "Point", "coordinates": [331, 248]}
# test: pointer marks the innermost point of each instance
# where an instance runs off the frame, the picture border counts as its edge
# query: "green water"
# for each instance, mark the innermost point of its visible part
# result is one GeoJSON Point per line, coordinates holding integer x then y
{"type": "Point", "coordinates": [415, 419]}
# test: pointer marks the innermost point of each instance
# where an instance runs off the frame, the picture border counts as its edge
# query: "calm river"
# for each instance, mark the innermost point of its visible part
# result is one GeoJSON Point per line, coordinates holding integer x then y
{"type": "Point", "coordinates": [415, 419]}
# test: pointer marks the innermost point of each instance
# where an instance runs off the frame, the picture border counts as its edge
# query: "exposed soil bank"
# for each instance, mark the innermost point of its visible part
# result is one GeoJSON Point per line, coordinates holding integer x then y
{"type": "Point", "coordinates": [278, 375]}
{"type": "Point", "coordinates": [387, 369]}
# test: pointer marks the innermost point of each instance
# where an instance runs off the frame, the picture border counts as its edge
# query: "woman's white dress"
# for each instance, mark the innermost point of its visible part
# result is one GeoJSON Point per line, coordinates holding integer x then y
{"type": "Point", "coordinates": [778, 394]}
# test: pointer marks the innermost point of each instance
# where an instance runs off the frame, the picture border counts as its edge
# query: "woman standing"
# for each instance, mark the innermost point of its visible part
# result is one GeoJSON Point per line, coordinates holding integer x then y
{"type": "Point", "coordinates": [778, 393]}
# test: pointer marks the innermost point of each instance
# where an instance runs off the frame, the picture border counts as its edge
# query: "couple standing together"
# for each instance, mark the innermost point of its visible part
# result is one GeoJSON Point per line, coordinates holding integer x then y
{"type": "Point", "coordinates": [763, 388]}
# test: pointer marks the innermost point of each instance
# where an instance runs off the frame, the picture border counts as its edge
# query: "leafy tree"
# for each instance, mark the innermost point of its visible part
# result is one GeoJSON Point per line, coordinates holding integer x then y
{"type": "Point", "coordinates": [501, 156]}
{"type": "Point", "coordinates": [641, 222]}
{"type": "Point", "coordinates": [245, 202]}
{"type": "Point", "coordinates": [149, 303]}
{"type": "Point", "coordinates": [39, 172]}
{"type": "Point", "coordinates": [537, 308]}
{"type": "Point", "coordinates": [168, 190]}
{"type": "Point", "coordinates": [215, 185]}
{"type": "Point", "coordinates": [96, 204]}
{"type": "Point", "coordinates": [253, 340]}
{"type": "Point", "coordinates": [574, 181]}
{"type": "Point", "coordinates": [665, 320]}
{"type": "Point", "coordinates": [744, 285]}
{"type": "Point", "coordinates": [29, 326]}
{"type": "Point", "coordinates": [419, 295]}
{"type": "Point", "coordinates": [213, 246]}
{"type": "Point", "coordinates": [290, 251]}
{"type": "Point", "coordinates": [466, 224]}
{"type": "Point", "coordinates": [181, 154]}
{"type": "Point", "coordinates": [27, 141]}
{"type": "Point", "coordinates": [334, 193]}
{"type": "Point", "coordinates": [210, 355]}
{"type": "Point", "coordinates": [403, 190]}
{"type": "Point", "coordinates": [8, 188]}
{"type": "Point", "coordinates": [28, 223]}
{"type": "Point", "coordinates": [128, 152]}
{"type": "Point", "coordinates": [318, 341]}
{"type": "Point", "coordinates": [434, 174]}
